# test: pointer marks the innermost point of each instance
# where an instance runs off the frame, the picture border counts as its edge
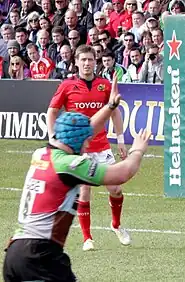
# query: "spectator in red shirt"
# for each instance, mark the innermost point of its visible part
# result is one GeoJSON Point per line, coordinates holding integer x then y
{"type": "Point", "coordinates": [100, 21]}
{"type": "Point", "coordinates": [130, 7]}
{"type": "Point", "coordinates": [117, 16]}
{"type": "Point", "coordinates": [40, 68]}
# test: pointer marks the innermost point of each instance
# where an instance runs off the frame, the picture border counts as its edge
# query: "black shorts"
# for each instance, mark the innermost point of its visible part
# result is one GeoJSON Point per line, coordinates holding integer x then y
{"type": "Point", "coordinates": [37, 260]}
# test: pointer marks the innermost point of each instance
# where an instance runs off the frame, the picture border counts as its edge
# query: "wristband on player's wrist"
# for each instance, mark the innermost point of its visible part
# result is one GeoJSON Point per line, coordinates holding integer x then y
{"type": "Point", "coordinates": [112, 105]}
{"type": "Point", "coordinates": [136, 150]}
{"type": "Point", "coordinates": [120, 139]}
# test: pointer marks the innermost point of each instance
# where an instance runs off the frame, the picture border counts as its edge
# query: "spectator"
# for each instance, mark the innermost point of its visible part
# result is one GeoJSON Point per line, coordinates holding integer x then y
{"type": "Point", "coordinates": [130, 6]}
{"type": "Point", "coordinates": [117, 16]}
{"type": "Point", "coordinates": [58, 41]}
{"type": "Point", "coordinates": [123, 53]}
{"type": "Point", "coordinates": [17, 68]}
{"type": "Point", "coordinates": [28, 6]}
{"type": "Point", "coordinates": [74, 40]}
{"type": "Point", "coordinates": [13, 48]}
{"type": "Point", "coordinates": [41, 68]}
{"type": "Point", "coordinates": [92, 36]}
{"type": "Point", "coordinates": [47, 9]}
{"type": "Point", "coordinates": [33, 26]}
{"type": "Point", "coordinates": [106, 41]}
{"type": "Point", "coordinates": [98, 48]}
{"type": "Point", "coordinates": [137, 21]}
{"type": "Point", "coordinates": [153, 9]}
{"type": "Point", "coordinates": [110, 67]}
{"type": "Point", "coordinates": [7, 32]}
{"type": "Point", "coordinates": [71, 23]}
{"type": "Point", "coordinates": [21, 36]}
{"type": "Point", "coordinates": [45, 23]}
{"type": "Point", "coordinates": [3, 68]}
{"type": "Point", "coordinates": [43, 43]}
{"type": "Point", "coordinates": [146, 41]}
{"type": "Point", "coordinates": [152, 70]}
{"type": "Point", "coordinates": [14, 18]}
{"type": "Point", "coordinates": [177, 7]}
{"type": "Point", "coordinates": [100, 21]}
{"type": "Point", "coordinates": [84, 17]}
{"type": "Point", "coordinates": [61, 6]}
{"type": "Point", "coordinates": [149, 25]}
{"type": "Point", "coordinates": [134, 68]}
{"type": "Point", "coordinates": [157, 38]}
{"type": "Point", "coordinates": [107, 9]}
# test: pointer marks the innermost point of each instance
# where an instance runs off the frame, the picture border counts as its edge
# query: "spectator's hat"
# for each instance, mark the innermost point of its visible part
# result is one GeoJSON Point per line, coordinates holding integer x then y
{"type": "Point", "coordinates": [13, 44]}
{"type": "Point", "coordinates": [120, 1]}
{"type": "Point", "coordinates": [72, 129]}
{"type": "Point", "coordinates": [153, 18]}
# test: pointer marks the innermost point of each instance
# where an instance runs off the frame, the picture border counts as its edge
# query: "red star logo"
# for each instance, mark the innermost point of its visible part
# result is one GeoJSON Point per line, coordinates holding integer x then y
{"type": "Point", "coordinates": [174, 45]}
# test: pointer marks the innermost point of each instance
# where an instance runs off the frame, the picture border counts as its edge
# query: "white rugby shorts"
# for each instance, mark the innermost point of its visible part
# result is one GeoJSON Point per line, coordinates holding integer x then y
{"type": "Point", "coordinates": [105, 157]}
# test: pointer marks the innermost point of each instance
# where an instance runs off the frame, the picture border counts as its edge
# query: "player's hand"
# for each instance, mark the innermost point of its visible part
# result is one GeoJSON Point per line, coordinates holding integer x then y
{"type": "Point", "coordinates": [141, 141]}
{"type": "Point", "coordinates": [114, 95]}
{"type": "Point", "coordinates": [122, 150]}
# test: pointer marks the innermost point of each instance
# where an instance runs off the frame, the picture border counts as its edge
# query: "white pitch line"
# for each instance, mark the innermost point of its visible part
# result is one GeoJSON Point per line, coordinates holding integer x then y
{"type": "Point", "coordinates": [102, 193]}
{"type": "Point", "coordinates": [30, 152]}
{"type": "Point", "coordinates": [135, 194]}
{"type": "Point", "coordinates": [137, 230]}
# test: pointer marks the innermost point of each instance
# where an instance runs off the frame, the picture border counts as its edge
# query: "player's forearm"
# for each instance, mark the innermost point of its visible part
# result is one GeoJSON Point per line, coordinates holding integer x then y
{"type": "Point", "coordinates": [117, 122]}
{"type": "Point", "coordinates": [50, 120]}
{"type": "Point", "coordinates": [98, 120]}
{"type": "Point", "coordinates": [121, 172]}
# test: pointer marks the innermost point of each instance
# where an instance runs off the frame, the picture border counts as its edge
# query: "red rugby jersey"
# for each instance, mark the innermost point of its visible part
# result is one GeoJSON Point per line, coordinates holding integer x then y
{"type": "Point", "coordinates": [74, 95]}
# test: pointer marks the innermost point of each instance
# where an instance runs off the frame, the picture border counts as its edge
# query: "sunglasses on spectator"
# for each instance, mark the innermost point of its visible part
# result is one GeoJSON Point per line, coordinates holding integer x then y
{"type": "Point", "coordinates": [72, 38]}
{"type": "Point", "coordinates": [103, 39]}
{"type": "Point", "coordinates": [100, 19]}
{"type": "Point", "coordinates": [59, 2]}
{"type": "Point", "coordinates": [16, 64]}
{"type": "Point", "coordinates": [129, 40]}
{"type": "Point", "coordinates": [116, 3]}
{"type": "Point", "coordinates": [34, 20]}
{"type": "Point", "coordinates": [132, 4]}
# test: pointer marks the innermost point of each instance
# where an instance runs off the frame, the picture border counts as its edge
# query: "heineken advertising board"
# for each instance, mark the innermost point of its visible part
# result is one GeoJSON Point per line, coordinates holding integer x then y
{"type": "Point", "coordinates": [174, 99]}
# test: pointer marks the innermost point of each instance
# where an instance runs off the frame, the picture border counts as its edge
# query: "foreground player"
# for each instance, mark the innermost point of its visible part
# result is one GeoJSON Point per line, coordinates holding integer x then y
{"type": "Point", "coordinates": [50, 195]}
{"type": "Point", "coordinates": [87, 94]}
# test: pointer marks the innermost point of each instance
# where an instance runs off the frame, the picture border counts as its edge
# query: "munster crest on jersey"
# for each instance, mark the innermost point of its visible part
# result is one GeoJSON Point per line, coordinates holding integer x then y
{"type": "Point", "coordinates": [101, 87]}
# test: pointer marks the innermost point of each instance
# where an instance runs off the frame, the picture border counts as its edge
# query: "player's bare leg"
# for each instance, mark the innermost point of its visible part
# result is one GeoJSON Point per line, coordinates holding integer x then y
{"type": "Point", "coordinates": [84, 217]}
{"type": "Point", "coordinates": [116, 199]}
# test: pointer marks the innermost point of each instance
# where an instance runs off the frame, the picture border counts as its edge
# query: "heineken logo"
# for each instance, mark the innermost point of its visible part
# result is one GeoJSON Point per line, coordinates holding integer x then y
{"type": "Point", "coordinates": [174, 46]}
{"type": "Point", "coordinates": [174, 112]}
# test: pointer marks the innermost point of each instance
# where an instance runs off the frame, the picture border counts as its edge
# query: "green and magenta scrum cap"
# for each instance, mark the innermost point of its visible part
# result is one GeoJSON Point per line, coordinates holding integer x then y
{"type": "Point", "coordinates": [73, 129]}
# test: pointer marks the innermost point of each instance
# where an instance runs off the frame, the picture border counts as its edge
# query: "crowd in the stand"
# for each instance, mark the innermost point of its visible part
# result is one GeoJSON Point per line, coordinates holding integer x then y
{"type": "Point", "coordinates": [38, 39]}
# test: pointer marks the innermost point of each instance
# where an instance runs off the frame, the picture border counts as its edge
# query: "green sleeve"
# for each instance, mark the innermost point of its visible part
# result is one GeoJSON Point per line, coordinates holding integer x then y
{"type": "Point", "coordinates": [81, 167]}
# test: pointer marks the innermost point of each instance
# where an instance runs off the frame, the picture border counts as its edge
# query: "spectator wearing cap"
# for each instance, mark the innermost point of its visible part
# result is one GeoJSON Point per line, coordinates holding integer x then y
{"type": "Point", "coordinates": [158, 39]}
{"type": "Point", "coordinates": [177, 7]}
{"type": "Point", "coordinates": [71, 23]}
{"type": "Point", "coordinates": [123, 53]}
{"type": "Point", "coordinates": [13, 48]}
{"type": "Point", "coordinates": [40, 68]}
{"type": "Point", "coordinates": [21, 36]}
{"type": "Point", "coordinates": [134, 68]}
{"type": "Point", "coordinates": [110, 67]}
{"type": "Point", "coordinates": [117, 16]}
{"type": "Point", "coordinates": [28, 6]}
{"type": "Point", "coordinates": [43, 42]}
{"type": "Point", "coordinates": [58, 41]}
{"type": "Point", "coordinates": [130, 6]}
{"type": "Point", "coordinates": [61, 8]}
{"type": "Point", "coordinates": [150, 24]}
{"type": "Point", "coordinates": [47, 9]}
{"type": "Point", "coordinates": [101, 23]}
{"type": "Point", "coordinates": [85, 18]}
{"type": "Point", "coordinates": [152, 70]}
{"type": "Point", "coordinates": [137, 21]}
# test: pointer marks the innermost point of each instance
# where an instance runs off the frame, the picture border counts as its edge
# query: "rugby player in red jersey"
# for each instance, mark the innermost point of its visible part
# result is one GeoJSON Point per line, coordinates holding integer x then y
{"type": "Point", "coordinates": [87, 94]}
